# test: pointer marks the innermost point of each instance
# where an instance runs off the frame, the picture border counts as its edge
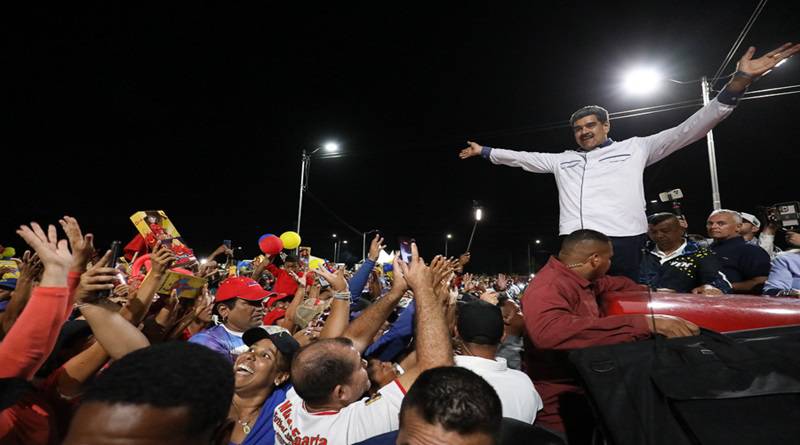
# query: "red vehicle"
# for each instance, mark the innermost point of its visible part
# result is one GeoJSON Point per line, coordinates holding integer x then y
{"type": "Point", "coordinates": [726, 313]}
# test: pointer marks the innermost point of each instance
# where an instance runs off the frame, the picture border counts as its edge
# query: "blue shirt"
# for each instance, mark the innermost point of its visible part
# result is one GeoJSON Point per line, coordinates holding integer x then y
{"type": "Point", "coordinates": [785, 273]}
{"type": "Point", "coordinates": [227, 343]}
{"type": "Point", "coordinates": [263, 432]}
{"type": "Point", "coordinates": [741, 261]}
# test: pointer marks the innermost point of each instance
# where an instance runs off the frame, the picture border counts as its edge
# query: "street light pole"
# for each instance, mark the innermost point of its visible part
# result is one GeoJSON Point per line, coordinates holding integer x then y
{"type": "Point", "coordinates": [446, 240]}
{"type": "Point", "coordinates": [305, 168]}
{"type": "Point", "coordinates": [712, 155]}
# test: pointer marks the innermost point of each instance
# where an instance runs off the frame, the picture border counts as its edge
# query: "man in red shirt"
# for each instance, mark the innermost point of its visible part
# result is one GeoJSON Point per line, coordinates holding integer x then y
{"type": "Point", "coordinates": [561, 313]}
{"type": "Point", "coordinates": [286, 276]}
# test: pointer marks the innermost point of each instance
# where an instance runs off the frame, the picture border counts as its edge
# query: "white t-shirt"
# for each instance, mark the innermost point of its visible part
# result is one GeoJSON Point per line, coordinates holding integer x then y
{"type": "Point", "coordinates": [358, 421]}
{"type": "Point", "coordinates": [519, 398]}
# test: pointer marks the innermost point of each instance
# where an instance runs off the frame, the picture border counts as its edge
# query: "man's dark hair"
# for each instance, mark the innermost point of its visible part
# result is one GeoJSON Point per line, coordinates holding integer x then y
{"type": "Point", "coordinates": [291, 259]}
{"type": "Point", "coordinates": [169, 375]}
{"type": "Point", "coordinates": [317, 369]}
{"type": "Point", "coordinates": [457, 399]}
{"type": "Point", "coordinates": [582, 235]}
{"type": "Point", "coordinates": [227, 303]}
{"type": "Point", "coordinates": [600, 112]}
{"type": "Point", "coordinates": [658, 218]}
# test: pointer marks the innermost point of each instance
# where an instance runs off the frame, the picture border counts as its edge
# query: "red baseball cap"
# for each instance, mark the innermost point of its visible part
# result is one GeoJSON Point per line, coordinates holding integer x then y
{"type": "Point", "coordinates": [240, 287]}
{"type": "Point", "coordinates": [275, 297]}
{"type": "Point", "coordinates": [272, 316]}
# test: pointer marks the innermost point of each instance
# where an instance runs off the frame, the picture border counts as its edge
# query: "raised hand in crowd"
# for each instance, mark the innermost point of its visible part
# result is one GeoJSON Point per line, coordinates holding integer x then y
{"type": "Point", "coordinates": [53, 253]}
{"type": "Point", "coordinates": [97, 278]}
{"type": "Point", "coordinates": [501, 283]}
{"type": "Point", "coordinates": [432, 335]}
{"type": "Point", "coordinates": [161, 259]}
{"type": "Point", "coordinates": [30, 271]}
{"type": "Point", "coordinates": [82, 245]}
{"type": "Point", "coordinates": [375, 247]}
{"type": "Point", "coordinates": [336, 279]}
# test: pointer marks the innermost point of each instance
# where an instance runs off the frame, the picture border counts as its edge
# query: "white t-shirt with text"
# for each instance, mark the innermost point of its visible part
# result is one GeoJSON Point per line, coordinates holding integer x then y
{"type": "Point", "coordinates": [358, 421]}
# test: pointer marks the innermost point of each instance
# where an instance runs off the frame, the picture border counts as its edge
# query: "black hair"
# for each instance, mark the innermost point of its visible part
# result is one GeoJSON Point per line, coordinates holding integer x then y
{"type": "Point", "coordinates": [317, 369]}
{"type": "Point", "coordinates": [455, 398]}
{"type": "Point", "coordinates": [230, 304]}
{"type": "Point", "coordinates": [582, 235]}
{"type": "Point", "coordinates": [658, 218]}
{"type": "Point", "coordinates": [160, 376]}
{"type": "Point", "coordinates": [291, 259]}
{"type": "Point", "coordinates": [600, 112]}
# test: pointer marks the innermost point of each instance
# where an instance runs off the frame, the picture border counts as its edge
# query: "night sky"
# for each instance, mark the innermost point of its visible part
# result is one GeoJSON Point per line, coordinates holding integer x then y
{"type": "Point", "coordinates": [203, 112]}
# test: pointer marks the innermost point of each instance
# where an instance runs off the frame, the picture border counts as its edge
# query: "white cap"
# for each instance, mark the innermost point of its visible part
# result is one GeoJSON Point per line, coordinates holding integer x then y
{"type": "Point", "coordinates": [751, 219]}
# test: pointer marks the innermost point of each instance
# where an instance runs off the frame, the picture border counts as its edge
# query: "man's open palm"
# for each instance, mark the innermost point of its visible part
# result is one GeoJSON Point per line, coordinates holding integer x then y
{"type": "Point", "coordinates": [758, 67]}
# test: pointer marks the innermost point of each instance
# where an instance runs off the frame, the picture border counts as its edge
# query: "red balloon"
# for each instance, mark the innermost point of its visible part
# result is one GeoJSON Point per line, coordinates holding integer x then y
{"type": "Point", "coordinates": [271, 245]}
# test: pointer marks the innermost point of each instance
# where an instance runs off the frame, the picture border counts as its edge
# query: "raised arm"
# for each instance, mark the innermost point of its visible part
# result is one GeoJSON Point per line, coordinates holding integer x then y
{"type": "Point", "coordinates": [663, 144]}
{"type": "Point", "coordinates": [534, 162]}
{"type": "Point", "coordinates": [433, 339]}
{"type": "Point", "coordinates": [160, 260]}
{"type": "Point", "coordinates": [361, 276]}
{"type": "Point", "coordinates": [363, 329]}
{"type": "Point", "coordinates": [31, 339]}
{"type": "Point", "coordinates": [339, 317]}
{"type": "Point", "coordinates": [29, 270]}
{"type": "Point", "coordinates": [114, 333]}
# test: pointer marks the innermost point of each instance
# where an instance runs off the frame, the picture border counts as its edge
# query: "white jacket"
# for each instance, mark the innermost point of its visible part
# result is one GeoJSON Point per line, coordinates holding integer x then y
{"type": "Point", "coordinates": [602, 189]}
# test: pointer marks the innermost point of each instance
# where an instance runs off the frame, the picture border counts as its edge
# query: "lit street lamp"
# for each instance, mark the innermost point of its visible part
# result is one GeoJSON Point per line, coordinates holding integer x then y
{"type": "Point", "coordinates": [447, 238]}
{"type": "Point", "coordinates": [305, 169]}
{"type": "Point", "coordinates": [478, 213]}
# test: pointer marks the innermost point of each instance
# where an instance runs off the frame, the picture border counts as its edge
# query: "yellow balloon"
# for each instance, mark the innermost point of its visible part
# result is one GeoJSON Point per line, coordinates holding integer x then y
{"type": "Point", "coordinates": [290, 240]}
{"type": "Point", "coordinates": [315, 263]}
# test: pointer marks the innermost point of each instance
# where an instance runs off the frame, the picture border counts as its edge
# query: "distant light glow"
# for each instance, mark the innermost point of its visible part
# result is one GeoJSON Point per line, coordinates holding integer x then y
{"type": "Point", "coordinates": [449, 236]}
{"type": "Point", "coordinates": [203, 260]}
{"type": "Point", "coordinates": [345, 241]}
{"type": "Point", "coordinates": [642, 81]}
{"type": "Point", "coordinates": [538, 241]}
{"type": "Point", "coordinates": [334, 235]}
{"type": "Point", "coordinates": [331, 147]}
{"type": "Point", "coordinates": [478, 214]}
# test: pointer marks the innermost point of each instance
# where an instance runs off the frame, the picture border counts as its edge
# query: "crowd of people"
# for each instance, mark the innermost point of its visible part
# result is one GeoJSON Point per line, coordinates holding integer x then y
{"type": "Point", "coordinates": [94, 350]}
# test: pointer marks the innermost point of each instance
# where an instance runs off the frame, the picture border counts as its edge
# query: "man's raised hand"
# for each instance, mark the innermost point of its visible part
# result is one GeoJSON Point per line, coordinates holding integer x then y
{"type": "Point", "coordinates": [337, 281]}
{"type": "Point", "coordinates": [418, 276]}
{"type": "Point", "coordinates": [53, 253]}
{"type": "Point", "coordinates": [97, 278]}
{"type": "Point", "coordinates": [375, 247]}
{"type": "Point", "coordinates": [760, 66]}
{"type": "Point", "coordinates": [82, 245]}
{"type": "Point", "coordinates": [162, 259]}
{"type": "Point", "coordinates": [473, 149]}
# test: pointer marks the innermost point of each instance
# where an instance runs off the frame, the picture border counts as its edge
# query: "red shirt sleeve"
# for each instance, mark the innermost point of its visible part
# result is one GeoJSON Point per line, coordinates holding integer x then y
{"type": "Point", "coordinates": [552, 323]}
{"type": "Point", "coordinates": [32, 337]}
{"type": "Point", "coordinates": [73, 280]}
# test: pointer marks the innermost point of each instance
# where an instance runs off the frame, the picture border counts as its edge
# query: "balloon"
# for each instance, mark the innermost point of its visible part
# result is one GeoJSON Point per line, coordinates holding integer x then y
{"type": "Point", "coordinates": [263, 236]}
{"type": "Point", "coordinates": [8, 252]}
{"type": "Point", "coordinates": [271, 245]}
{"type": "Point", "coordinates": [290, 240]}
{"type": "Point", "coordinates": [315, 263]}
